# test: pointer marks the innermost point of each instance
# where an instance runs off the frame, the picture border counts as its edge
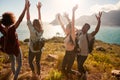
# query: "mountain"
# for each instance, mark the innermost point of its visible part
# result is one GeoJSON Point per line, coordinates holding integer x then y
{"type": "Point", "coordinates": [56, 22]}
{"type": "Point", "coordinates": [111, 18]}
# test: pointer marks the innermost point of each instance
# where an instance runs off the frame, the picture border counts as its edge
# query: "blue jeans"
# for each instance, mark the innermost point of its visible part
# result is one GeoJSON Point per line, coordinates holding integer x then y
{"type": "Point", "coordinates": [37, 57]}
{"type": "Point", "coordinates": [14, 60]}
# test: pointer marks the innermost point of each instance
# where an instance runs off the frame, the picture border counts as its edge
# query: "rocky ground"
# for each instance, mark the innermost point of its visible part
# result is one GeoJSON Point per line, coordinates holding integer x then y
{"type": "Point", "coordinates": [51, 60]}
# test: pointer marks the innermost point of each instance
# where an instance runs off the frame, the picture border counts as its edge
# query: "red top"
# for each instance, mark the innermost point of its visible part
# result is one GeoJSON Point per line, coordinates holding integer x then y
{"type": "Point", "coordinates": [10, 44]}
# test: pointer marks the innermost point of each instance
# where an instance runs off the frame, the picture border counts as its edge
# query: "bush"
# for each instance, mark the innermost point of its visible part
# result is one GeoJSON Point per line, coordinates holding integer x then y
{"type": "Point", "coordinates": [54, 75]}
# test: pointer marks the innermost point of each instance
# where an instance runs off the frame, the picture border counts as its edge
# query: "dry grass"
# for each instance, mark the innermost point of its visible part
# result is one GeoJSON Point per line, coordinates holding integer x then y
{"type": "Point", "coordinates": [100, 64]}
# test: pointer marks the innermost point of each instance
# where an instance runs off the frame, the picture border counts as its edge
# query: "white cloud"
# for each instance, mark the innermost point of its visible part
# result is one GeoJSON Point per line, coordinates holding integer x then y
{"type": "Point", "coordinates": [118, 5]}
{"type": "Point", "coordinates": [107, 7]}
{"type": "Point", "coordinates": [63, 5]}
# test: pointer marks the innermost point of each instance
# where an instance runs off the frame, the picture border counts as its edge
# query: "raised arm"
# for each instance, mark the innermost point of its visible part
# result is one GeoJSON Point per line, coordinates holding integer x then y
{"type": "Point", "coordinates": [73, 22]}
{"type": "Point", "coordinates": [67, 17]}
{"type": "Point", "coordinates": [22, 15]}
{"type": "Point", "coordinates": [28, 12]}
{"type": "Point", "coordinates": [62, 25]}
{"type": "Point", "coordinates": [39, 10]}
{"type": "Point", "coordinates": [98, 24]}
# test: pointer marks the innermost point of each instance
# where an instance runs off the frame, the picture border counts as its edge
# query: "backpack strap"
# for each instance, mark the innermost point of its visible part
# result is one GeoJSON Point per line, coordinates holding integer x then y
{"type": "Point", "coordinates": [88, 42]}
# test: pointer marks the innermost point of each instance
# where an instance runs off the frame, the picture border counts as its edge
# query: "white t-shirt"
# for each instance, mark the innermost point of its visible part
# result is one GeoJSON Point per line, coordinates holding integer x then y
{"type": "Point", "coordinates": [83, 44]}
{"type": "Point", "coordinates": [34, 35]}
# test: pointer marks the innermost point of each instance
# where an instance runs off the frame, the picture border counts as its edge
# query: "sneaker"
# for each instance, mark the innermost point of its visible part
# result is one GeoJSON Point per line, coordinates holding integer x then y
{"type": "Point", "coordinates": [11, 76]}
{"type": "Point", "coordinates": [74, 72]}
{"type": "Point", "coordinates": [84, 76]}
{"type": "Point", "coordinates": [69, 76]}
{"type": "Point", "coordinates": [39, 77]}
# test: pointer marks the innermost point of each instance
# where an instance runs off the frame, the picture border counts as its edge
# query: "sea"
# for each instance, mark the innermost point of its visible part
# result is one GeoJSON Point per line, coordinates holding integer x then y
{"type": "Point", "coordinates": [108, 34]}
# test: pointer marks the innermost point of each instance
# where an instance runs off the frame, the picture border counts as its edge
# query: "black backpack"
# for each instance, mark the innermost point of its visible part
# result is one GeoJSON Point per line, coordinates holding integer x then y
{"type": "Point", "coordinates": [38, 45]}
{"type": "Point", "coordinates": [90, 43]}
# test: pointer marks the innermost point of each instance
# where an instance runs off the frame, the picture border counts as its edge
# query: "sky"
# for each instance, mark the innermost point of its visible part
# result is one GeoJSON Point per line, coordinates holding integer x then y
{"type": "Point", "coordinates": [51, 7]}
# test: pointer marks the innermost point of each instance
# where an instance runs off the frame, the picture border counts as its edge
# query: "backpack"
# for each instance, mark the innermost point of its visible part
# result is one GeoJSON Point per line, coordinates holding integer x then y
{"type": "Point", "coordinates": [90, 43]}
{"type": "Point", "coordinates": [39, 44]}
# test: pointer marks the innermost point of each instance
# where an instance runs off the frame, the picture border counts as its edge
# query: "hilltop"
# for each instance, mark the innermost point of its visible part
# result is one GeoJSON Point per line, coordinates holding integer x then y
{"type": "Point", "coordinates": [105, 57]}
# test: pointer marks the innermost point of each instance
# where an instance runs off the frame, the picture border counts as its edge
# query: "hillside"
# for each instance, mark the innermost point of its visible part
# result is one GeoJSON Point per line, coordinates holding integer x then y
{"type": "Point", "coordinates": [111, 18]}
{"type": "Point", "coordinates": [105, 58]}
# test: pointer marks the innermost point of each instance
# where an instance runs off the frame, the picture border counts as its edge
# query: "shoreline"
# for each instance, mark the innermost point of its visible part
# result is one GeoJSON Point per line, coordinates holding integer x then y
{"type": "Point", "coordinates": [27, 39]}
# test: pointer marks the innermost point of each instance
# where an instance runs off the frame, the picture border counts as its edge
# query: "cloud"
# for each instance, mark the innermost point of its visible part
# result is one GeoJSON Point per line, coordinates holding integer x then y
{"type": "Point", "coordinates": [63, 5]}
{"type": "Point", "coordinates": [118, 5]}
{"type": "Point", "coordinates": [106, 7]}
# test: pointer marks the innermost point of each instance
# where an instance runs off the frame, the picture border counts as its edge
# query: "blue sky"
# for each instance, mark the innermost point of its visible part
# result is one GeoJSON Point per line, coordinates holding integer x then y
{"type": "Point", "coordinates": [51, 7]}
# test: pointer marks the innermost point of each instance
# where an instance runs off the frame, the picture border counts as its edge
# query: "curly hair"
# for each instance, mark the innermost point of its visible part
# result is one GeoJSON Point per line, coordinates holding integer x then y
{"type": "Point", "coordinates": [8, 19]}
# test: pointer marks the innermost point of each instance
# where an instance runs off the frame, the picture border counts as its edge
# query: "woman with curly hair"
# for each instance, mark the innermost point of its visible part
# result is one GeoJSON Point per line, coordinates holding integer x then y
{"type": "Point", "coordinates": [9, 41]}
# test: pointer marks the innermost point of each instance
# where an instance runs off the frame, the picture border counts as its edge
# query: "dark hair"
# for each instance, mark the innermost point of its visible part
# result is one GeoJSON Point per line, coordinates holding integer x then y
{"type": "Point", "coordinates": [8, 19]}
{"type": "Point", "coordinates": [86, 24]}
{"type": "Point", "coordinates": [37, 22]}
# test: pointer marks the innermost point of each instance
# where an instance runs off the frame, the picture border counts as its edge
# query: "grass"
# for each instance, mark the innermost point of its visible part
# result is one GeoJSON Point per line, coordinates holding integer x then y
{"type": "Point", "coordinates": [101, 62]}
{"type": "Point", "coordinates": [54, 74]}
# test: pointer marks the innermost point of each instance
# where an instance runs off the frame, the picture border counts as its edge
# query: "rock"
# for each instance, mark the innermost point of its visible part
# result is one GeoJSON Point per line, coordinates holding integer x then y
{"type": "Point", "coordinates": [109, 48]}
{"type": "Point", "coordinates": [25, 76]}
{"type": "Point", "coordinates": [5, 74]}
{"type": "Point", "coordinates": [26, 40]}
{"type": "Point", "coordinates": [51, 57]}
{"type": "Point", "coordinates": [115, 73]}
{"type": "Point", "coordinates": [99, 48]}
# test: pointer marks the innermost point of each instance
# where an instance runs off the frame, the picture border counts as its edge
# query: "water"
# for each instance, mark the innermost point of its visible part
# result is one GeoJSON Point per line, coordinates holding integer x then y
{"type": "Point", "coordinates": [106, 33]}
{"type": "Point", "coordinates": [109, 34]}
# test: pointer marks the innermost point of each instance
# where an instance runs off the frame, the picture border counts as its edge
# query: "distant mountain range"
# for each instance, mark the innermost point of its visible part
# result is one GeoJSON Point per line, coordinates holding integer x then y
{"type": "Point", "coordinates": [111, 18]}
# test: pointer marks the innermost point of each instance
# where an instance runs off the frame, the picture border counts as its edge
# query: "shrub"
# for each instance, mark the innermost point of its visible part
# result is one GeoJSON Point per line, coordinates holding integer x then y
{"type": "Point", "coordinates": [54, 75]}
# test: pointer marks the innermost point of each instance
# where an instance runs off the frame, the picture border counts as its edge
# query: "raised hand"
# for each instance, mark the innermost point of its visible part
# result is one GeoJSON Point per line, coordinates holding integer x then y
{"type": "Point", "coordinates": [66, 14]}
{"type": "Point", "coordinates": [67, 17]}
{"type": "Point", "coordinates": [39, 5]}
{"type": "Point", "coordinates": [98, 17]}
{"type": "Point", "coordinates": [58, 16]}
{"type": "Point", "coordinates": [75, 8]}
{"type": "Point", "coordinates": [28, 3]}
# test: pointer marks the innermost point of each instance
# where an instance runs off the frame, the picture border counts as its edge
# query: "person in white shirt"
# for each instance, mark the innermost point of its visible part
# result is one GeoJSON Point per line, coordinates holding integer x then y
{"type": "Point", "coordinates": [36, 32]}
{"type": "Point", "coordinates": [83, 45]}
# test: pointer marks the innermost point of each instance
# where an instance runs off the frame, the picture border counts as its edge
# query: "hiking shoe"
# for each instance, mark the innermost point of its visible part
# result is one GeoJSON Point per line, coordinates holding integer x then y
{"type": "Point", "coordinates": [83, 76]}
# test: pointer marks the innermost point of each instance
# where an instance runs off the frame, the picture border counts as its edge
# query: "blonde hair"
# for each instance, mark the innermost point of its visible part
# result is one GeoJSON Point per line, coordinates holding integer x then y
{"type": "Point", "coordinates": [69, 25]}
